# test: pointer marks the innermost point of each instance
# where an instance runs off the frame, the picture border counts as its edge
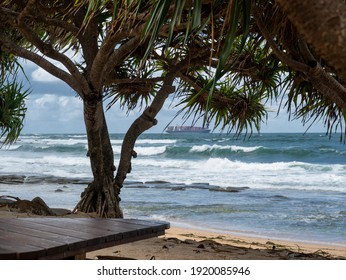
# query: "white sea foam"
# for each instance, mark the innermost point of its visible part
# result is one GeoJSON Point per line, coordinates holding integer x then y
{"type": "Point", "coordinates": [39, 141]}
{"type": "Point", "coordinates": [292, 175]}
{"type": "Point", "coordinates": [13, 147]}
{"type": "Point", "coordinates": [62, 142]}
{"type": "Point", "coordinates": [70, 161]}
{"type": "Point", "coordinates": [146, 141]}
{"type": "Point", "coordinates": [116, 149]}
{"type": "Point", "coordinates": [143, 151]}
{"type": "Point", "coordinates": [48, 165]}
{"type": "Point", "coordinates": [224, 172]}
{"type": "Point", "coordinates": [150, 151]}
{"type": "Point", "coordinates": [162, 164]}
{"type": "Point", "coordinates": [116, 141]}
{"type": "Point", "coordinates": [156, 141]}
{"type": "Point", "coordinates": [234, 148]}
{"type": "Point", "coordinates": [245, 149]}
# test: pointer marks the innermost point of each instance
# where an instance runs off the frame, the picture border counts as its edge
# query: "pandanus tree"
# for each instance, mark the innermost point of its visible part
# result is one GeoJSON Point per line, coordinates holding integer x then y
{"type": "Point", "coordinates": [12, 100]}
{"type": "Point", "coordinates": [223, 60]}
{"type": "Point", "coordinates": [119, 51]}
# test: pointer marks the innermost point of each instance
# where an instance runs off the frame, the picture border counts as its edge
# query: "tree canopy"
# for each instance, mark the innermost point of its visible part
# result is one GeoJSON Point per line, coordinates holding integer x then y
{"type": "Point", "coordinates": [220, 26]}
{"type": "Point", "coordinates": [223, 61]}
{"type": "Point", "coordinates": [12, 100]}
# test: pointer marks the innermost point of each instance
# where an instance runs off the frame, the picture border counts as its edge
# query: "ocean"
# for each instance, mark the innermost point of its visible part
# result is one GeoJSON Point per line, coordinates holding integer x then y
{"type": "Point", "coordinates": [284, 186]}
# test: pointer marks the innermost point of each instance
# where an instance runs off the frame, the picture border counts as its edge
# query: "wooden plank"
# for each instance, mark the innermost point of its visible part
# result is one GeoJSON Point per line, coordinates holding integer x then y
{"type": "Point", "coordinates": [53, 238]}
{"type": "Point", "coordinates": [127, 237]}
{"type": "Point", "coordinates": [6, 254]}
{"type": "Point", "coordinates": [31, 224]}
{"type": "Point", "coordinates": [21, 249]}
{"type": "Point", "coordinates": [72, 244]}
{"type": "Point", "coordinates": [107, 228]}
{"type": "Point", "coordinates": [166, 225]}
{"type": "Point", "coordinates": [54, 246]}
{"type": "Point", "coordinates": [18, 228]}
{"type": "Point", "coordinates": [88, 226]}
{"type": "Point", "coordinates": [42, 231]}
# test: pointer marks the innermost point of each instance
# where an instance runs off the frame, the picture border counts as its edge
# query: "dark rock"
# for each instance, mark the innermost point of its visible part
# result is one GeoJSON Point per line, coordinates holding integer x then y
{"type": "Point", "coordinates": [37, 206]}
{"type": "Point", "coordinates": [173, 240]}
{"type": "Point", "coordinates": [126, 183]}
{"type": "Point", "coordinates": [133, 186]}
{"type": "Point", "coordinates": [201, 186]}
{"type": "Point", "coordinates": [33, 180]}
{"type": "Point", "coordinates": [189, 241]}
{"type": "Point", "coordinates": [228, 189]}
{"type": "Point", "coordinates": [42, 206]}
{"type": "Point", "coordinates": [178, 189]}
{"type": "Point", "coordinates": [170, 187]}
{"type": "Point", "coordinates": [58, 190]}
{"type": "Point", "coordinates": [12, 179]}
{"type": "Point", "coordinates": [156, 182]}
{"type": "Point", "coordinates": [224, 190]}
{"type": "Point", "coordinates": [21, 179]}
{"type": "Point", "coordinates": [61, 211]}
{"type": "Point", "coordinates": [4, 200]}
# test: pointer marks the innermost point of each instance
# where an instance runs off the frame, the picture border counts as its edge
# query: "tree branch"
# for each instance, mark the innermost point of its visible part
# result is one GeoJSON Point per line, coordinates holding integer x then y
{"type": "Point", "coordinates": [88, 37]}
{"type": "Point", "coordinates": [101, 61]}
{"type": "Point", "coordinates": [40, 61]}
{"type": "Point", "coordinates": [120, 54]}
{"type": "Point", "coordinates": [111, 81]}
{"type": "Point", "coordinates": [314, 72]}
{"type": "Point", "coordinates": [44, 48]}
{"type": "Point", "coordinates": [322, 24]}
{"type": "Point", "coordinates": [188, 79]}
{"type": "Point", "coordinates": [12, 15]}
{"type": "Point", "coordinates": [141, 124]}
{"type": "Point", "coordinates": [295, 65]}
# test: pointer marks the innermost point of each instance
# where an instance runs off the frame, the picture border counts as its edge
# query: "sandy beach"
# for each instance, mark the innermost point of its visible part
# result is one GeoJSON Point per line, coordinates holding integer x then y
{"type": "Point", "coordinates": [192, 244]}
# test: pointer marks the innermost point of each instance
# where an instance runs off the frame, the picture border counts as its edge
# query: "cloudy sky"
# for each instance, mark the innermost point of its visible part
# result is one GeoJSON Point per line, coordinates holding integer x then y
{"type": "Point", "coordinates": [54, 108]}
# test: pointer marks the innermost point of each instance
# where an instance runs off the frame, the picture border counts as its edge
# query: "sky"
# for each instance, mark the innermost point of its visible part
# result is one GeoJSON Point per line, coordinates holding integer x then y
{"type": "Point", "coordinates": [53, 107]}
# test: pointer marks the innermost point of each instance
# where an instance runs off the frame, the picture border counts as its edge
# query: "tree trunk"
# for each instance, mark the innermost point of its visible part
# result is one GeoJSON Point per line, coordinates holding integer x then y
{"type": "Point", "coordinates": [322, 23]}
{"type": "Point", "coordinates": [102, 195]}
{"type": "Point", "coordinates": [141, 124]}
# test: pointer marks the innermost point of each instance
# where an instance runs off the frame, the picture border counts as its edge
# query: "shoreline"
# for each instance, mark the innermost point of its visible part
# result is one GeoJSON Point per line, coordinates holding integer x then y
{"type": "Point", "coordinates": [190, 244]}
{"type": "Point", "coordinates": [253, 236]}
{"type": "Point", "coordinates": [233, 239]}
{"type": "Point", "coordinates": [195, 244]}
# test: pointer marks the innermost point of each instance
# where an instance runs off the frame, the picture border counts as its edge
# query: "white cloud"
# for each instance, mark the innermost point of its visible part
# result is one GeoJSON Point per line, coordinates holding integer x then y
{"type": "Point", "coordinates": [40, 75]}
{"type": "Point", "coordinates": [50, 113]}
{"type": "Point", "coordinates": [45, 101]}
{"type": "Point", "coordinates": [53, 113]}
{"type": "Point", "coordinates": [65, 101]}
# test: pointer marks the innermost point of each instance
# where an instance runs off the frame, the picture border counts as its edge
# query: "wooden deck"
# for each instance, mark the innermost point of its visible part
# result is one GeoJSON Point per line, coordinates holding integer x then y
{"type": "Point", "coordinates": [60, 238]}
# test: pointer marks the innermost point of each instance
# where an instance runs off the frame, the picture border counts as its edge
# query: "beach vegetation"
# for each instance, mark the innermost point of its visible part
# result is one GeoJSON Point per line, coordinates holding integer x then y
{"type": "Point", "coordinates": [223, 60]}
{"type": "Point", "coordinates": [12, 100]}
